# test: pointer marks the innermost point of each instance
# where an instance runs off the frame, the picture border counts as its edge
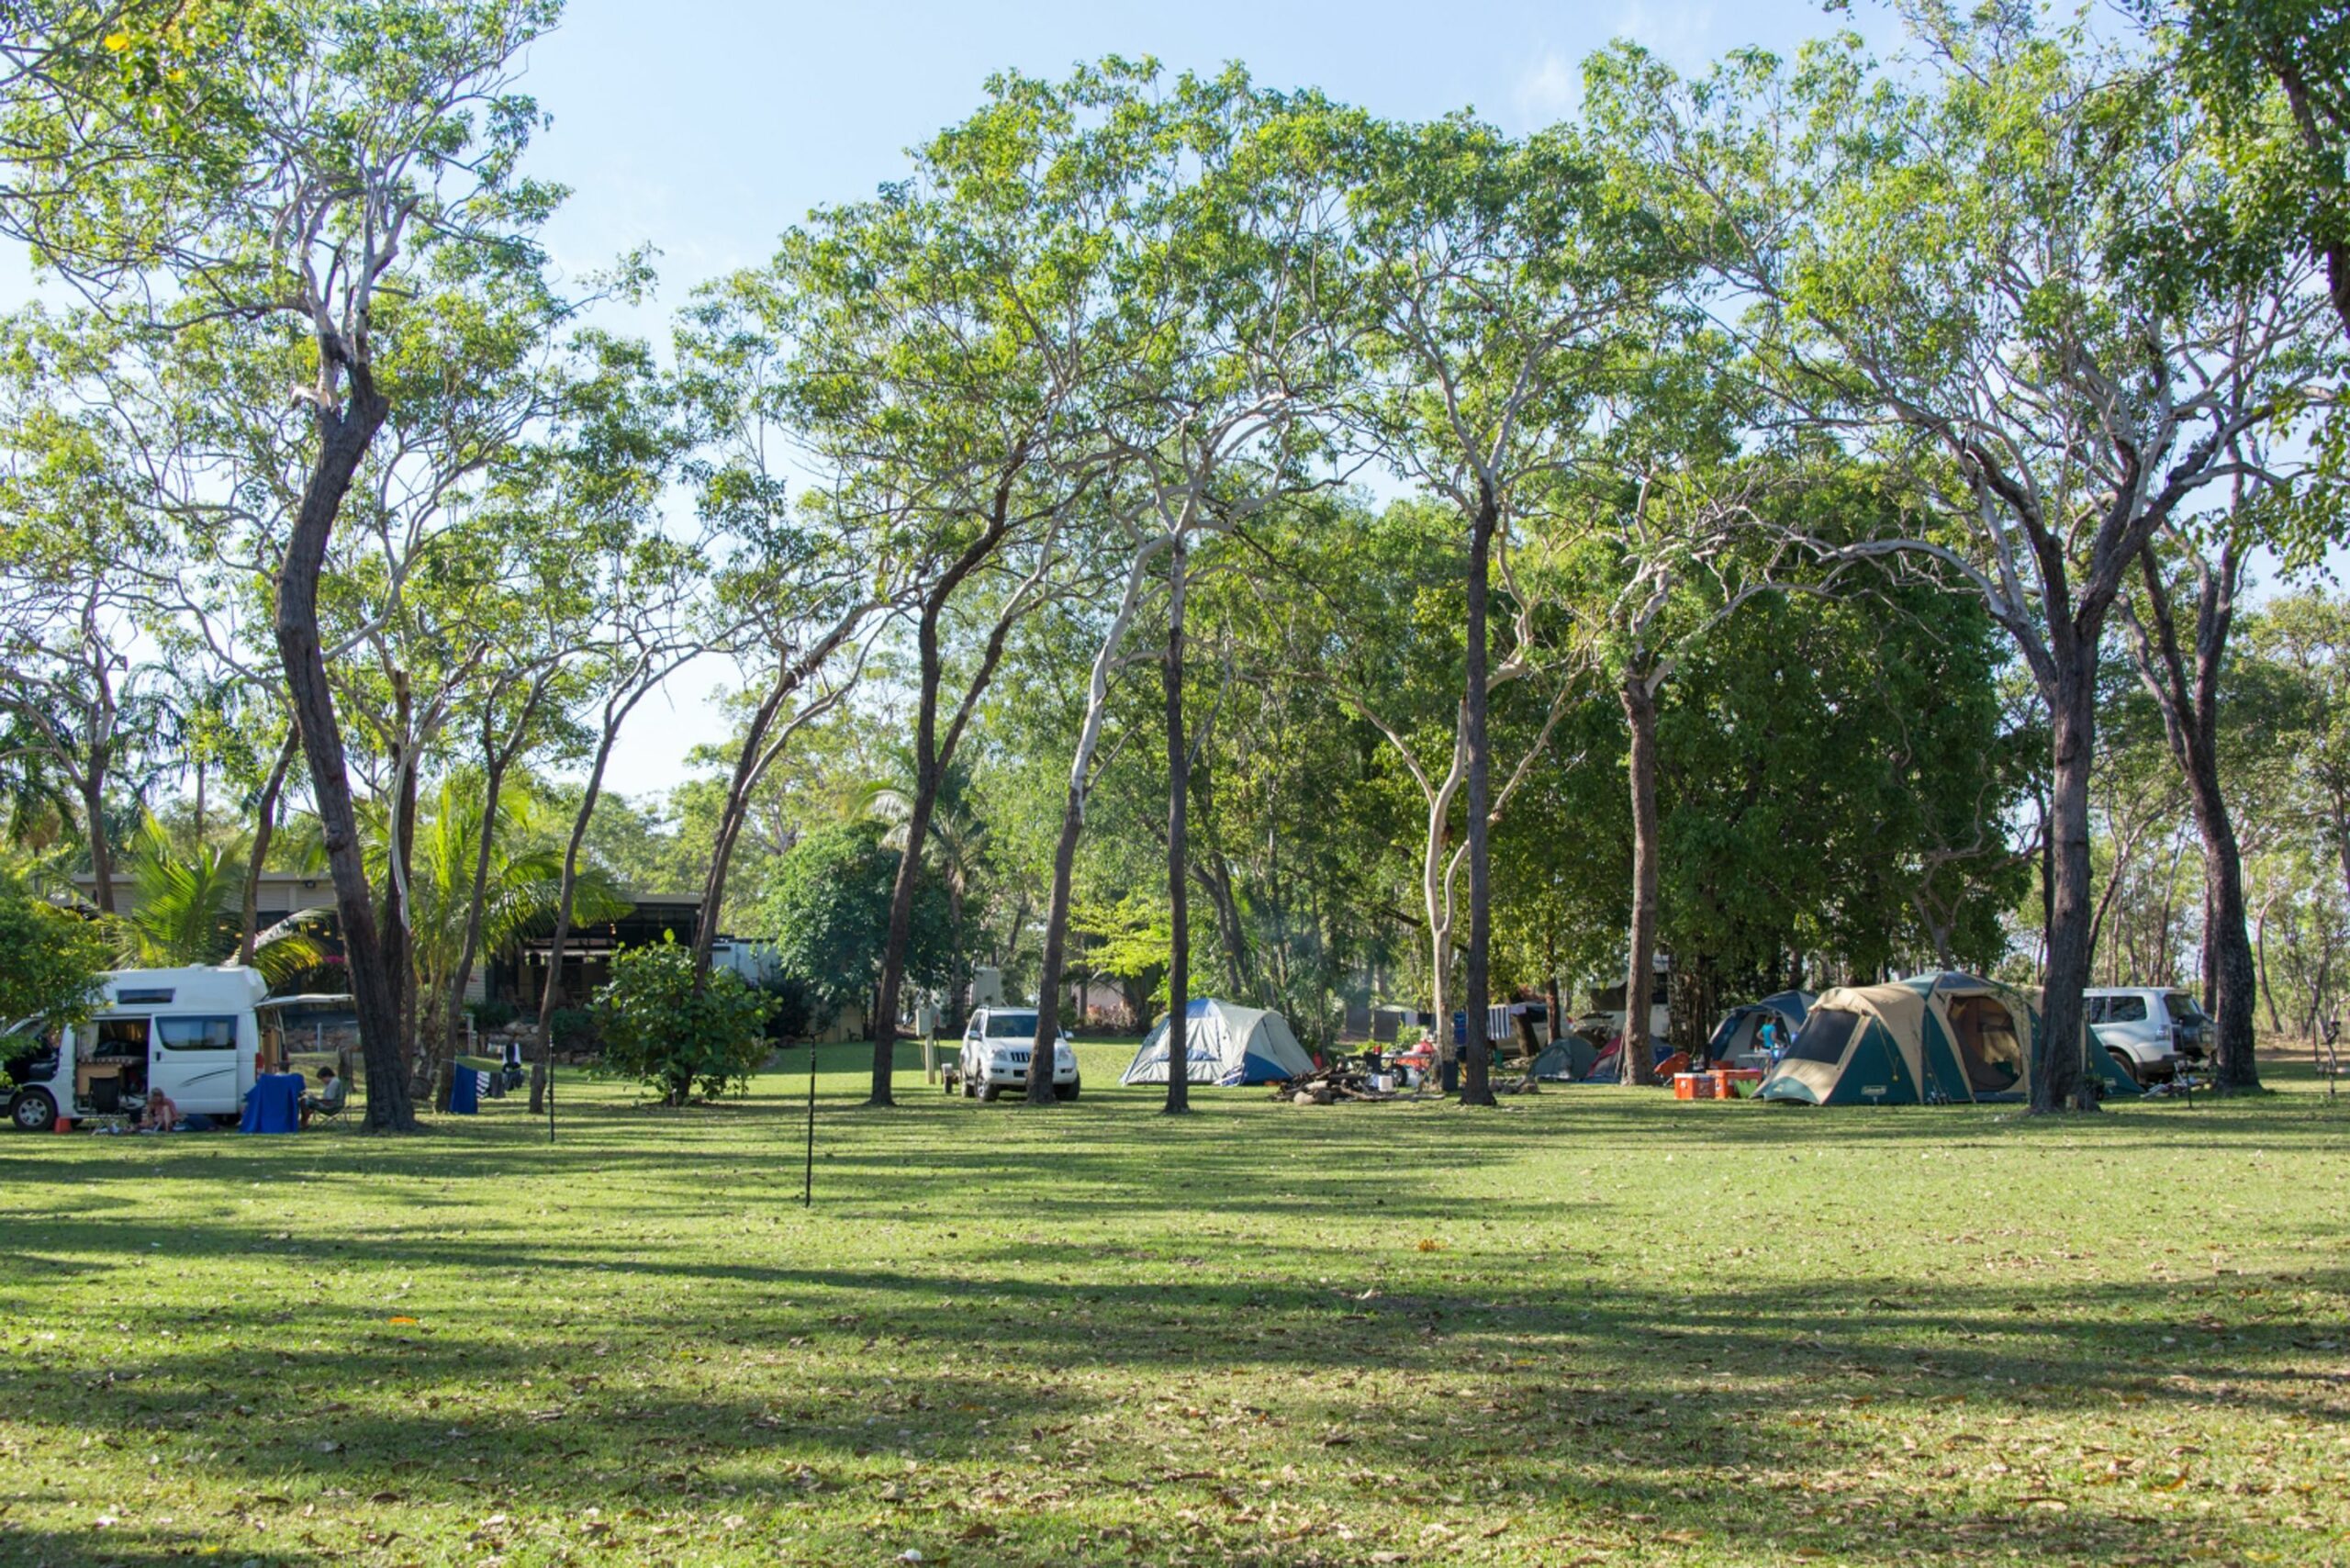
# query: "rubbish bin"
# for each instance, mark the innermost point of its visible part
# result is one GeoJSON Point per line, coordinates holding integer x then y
{"type": "Point", "coordinates": [1449, 1075]}
{"type": "Point", "coordinates": [464, 1091]}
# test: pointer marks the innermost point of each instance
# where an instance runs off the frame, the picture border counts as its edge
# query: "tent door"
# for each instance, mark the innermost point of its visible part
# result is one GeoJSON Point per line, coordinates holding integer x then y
{"type": "Point", "coordinates": [1989, 1046]}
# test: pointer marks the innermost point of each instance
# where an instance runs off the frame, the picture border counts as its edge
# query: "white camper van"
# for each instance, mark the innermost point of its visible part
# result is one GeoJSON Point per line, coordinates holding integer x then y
{"type": "Point", "coordinates": [195, 1034]}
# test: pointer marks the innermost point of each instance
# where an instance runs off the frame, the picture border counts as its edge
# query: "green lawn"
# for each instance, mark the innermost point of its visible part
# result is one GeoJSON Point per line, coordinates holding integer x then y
{"type": "Point", "coordinates": [1595, 1327]}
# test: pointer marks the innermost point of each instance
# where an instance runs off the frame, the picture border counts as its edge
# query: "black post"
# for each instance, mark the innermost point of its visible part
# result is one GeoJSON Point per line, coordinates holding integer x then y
{"type": "Point", "coordinates": [808, 1183]}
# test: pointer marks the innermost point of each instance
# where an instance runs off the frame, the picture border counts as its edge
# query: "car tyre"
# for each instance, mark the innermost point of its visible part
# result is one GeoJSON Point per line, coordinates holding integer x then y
{"type": "Point", "coordinates": [988, 1091]}
{"type": "Point", "coordinates": [2129, 1069]}
{"type": "Point", "coordinates": [33, 1111]}
{"type": "Point", "coordinates": [1068, 1090]}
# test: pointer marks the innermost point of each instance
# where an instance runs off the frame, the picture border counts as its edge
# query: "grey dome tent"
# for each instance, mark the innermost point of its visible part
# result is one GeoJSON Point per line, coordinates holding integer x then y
{"type": "Point", "coordinates": [1738, 1032]}
{"type": "Point", "coordinates": [1228, 1044]}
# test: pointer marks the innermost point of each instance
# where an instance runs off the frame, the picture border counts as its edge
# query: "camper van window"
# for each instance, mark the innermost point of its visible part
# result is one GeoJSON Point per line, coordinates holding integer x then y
{"type": "Point", "coordinates": [197, 1033]}
{"type": "Point", "coordinates": [144, 998]}
{"type": "Point", "coordinates": [1824, 1036]}
{"type": "Point", "coordinates": [119, 1037]}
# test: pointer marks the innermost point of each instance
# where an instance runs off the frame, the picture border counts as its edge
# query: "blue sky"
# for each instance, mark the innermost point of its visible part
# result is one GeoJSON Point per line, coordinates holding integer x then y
{"type": "Point", "coordinates": [708, 130]}
{"type": "Point", "coordinates": [704, 127]}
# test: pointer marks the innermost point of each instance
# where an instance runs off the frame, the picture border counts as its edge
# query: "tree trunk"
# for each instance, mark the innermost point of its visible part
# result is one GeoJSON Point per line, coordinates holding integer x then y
{"type": "Point", "coordinates": [346, 436]}
{"type": "Point", "coordinates": [452, 1006]}
{"type": "Point", "coordinates": [1476, 1080]}
{"type": "Point", "coordinates": [930, 757]}
{"type": "Point", "coordinates": [1637, 1064]}
{"type": "Point", "coordinates": [548, 993]}
{"type": "Point", "coordinates": [2260, 947]}
{"type": "Point", "coordinates": [264, 828]}
{"type": "Point", "coordinates": [94, 806]}
{"type": "Point", "coordinates": [1049, 970]}
{"type": "Point", "coordinates": [2190, 708]}
{"type": "Point", "coordinates": [2057, 1082]}
{"type": "Point", "coordinates": [1178, 770]}
{"type": "Point", "coordinates": [928, 771]}
{"type": "Point", "coordinates": [399, 917]}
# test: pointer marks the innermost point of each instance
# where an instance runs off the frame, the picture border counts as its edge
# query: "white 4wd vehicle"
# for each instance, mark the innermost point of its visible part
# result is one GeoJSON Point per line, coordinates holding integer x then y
{"type": "Point", "coordinates": [996, 1047]}
{"type": "Point", "coordinates": [2149, 1029]}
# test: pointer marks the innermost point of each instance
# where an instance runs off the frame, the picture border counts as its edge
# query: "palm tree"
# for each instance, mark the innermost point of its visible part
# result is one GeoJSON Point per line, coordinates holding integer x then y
{"type": "Point", "coordinates": [187, 910]}
{"type": "Point", "coordinates": [520, 894]}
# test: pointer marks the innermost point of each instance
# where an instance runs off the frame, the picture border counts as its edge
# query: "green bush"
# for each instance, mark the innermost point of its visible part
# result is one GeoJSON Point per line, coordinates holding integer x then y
{"type": "Point", "coordinates": [658, 1030]}
{"type": "Point", "coordinates": [51, 963]}
{"type": "Point", "coordinates": [494, 1014]}
{"type": "Point", "coordinates": [574, 1027]}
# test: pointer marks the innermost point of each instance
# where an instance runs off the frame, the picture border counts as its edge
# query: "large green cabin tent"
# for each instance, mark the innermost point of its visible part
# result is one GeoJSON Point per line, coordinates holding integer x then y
{"type": "Point", "coordinates": [1933, 1039]}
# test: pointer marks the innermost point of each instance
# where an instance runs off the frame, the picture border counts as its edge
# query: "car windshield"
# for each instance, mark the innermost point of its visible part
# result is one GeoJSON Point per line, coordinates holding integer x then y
{"type": "Point", "coordinates": [1012, 1025]}
{"type": "Point", "coordinates": [2182, 1007]}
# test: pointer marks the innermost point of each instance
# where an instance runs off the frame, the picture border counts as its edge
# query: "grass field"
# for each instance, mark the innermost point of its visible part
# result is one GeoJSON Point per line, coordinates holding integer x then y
{"type": "Point", "coordinates": [1595, 1327]}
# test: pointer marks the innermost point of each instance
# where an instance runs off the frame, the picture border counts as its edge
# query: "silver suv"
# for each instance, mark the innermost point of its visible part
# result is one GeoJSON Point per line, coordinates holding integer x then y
{"type": "Point", "coordinates": [994, 1059]}
{"type": "Point", "coordinates": [2150, 1030]}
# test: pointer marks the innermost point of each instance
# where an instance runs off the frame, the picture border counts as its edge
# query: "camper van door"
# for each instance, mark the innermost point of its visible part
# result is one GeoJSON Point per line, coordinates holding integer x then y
{"type": "Point", "coordinates": [194, 1058]}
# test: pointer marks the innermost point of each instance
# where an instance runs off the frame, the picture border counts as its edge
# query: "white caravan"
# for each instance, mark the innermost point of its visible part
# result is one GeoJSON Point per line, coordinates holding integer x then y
{"type": "Point", "coordinates": [195, 1034]}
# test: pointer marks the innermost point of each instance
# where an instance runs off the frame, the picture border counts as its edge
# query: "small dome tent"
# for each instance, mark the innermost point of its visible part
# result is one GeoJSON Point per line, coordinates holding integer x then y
{"type": "Point", "coordinates": [1226, 1044]}
{"type": "Point", "coordinates": [1737, 1031]}
{"type": "Point", "coordinates": [1930, 1039]}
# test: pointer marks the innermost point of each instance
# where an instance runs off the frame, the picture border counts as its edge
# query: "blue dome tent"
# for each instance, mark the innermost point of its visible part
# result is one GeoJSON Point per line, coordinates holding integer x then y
{"type": "Point", "coordinates": [1228, 1044]}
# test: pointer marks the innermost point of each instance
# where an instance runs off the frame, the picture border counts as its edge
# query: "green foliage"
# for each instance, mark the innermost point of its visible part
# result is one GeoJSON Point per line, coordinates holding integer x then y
{"type": "Point", "coordinates": [51, 962]}
{"type": "Point", "coordinates": [829, 912]}
{"type": "Point", "coordinates": [663, 1031]}
{"type": "Point", "coordinates": [574, 1027]}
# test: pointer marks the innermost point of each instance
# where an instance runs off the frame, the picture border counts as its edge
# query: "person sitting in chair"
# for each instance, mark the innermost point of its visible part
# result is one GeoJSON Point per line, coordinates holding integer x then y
{"type": "Point", "coordinates": [329, 1099]}
{"type": "Point", "coordinates": [160, 1116]}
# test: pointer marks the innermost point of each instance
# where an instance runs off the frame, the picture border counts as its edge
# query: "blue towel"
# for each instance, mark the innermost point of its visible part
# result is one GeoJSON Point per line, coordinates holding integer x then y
{"type": "Point", "coordinates": [273, 1104]}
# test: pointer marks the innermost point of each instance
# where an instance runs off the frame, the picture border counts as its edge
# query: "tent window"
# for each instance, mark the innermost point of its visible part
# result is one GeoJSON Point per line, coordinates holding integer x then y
{"type": "Point", "coordinates": [1988, 1046]}
{"type": "Point", "coordinates": [1825, 1035]}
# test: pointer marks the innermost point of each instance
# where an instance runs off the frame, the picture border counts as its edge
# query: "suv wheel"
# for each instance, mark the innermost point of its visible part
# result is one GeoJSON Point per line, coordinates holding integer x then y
{"type": "Point", "coordinates": [1068, 1090]}
{"type": "Point", "coordinates": [33, 1111]}
{"type": "Point", "coordinates": [2128, 1067]}
{"type": "Point", "coordinates": [988, 1091]}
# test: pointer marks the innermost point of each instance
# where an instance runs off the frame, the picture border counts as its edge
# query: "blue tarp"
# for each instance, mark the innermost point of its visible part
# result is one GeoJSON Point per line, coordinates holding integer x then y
{"type": "Point", "coordinates": [464, 1091]}
{"type": "Point", "coordinates": [273, 1104]}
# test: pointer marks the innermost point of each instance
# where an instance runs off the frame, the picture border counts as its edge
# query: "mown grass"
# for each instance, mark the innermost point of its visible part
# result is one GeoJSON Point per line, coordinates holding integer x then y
{"type": "Point", "coordinates": [1595, 1327]}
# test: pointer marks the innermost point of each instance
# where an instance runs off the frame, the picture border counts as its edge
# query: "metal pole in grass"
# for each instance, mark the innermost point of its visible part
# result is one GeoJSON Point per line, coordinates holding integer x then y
{"type": "Point", "coordinates": [808, 1183]}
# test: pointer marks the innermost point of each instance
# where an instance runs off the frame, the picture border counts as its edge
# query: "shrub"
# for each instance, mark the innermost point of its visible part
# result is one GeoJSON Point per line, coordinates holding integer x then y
{"type": "Point", "coordinates": [574, 1027]}
{"type": "Point", "coordinates": [658, 1030]}
{"type": "Point", "coordinates": [494, 1014]}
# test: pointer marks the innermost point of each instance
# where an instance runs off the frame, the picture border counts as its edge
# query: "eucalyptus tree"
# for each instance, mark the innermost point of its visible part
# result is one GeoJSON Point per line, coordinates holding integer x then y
{"type": "Point", "coordinates": [82, 695]}
{"type": "Point", "coordinates": [330, 165]}
{"type": "Point", "coordinates": [795, 587]}
{"type": "Point", "coordinates": [1952, 268]}
{"type": "Point", "coordinates": [948, 334]}
{"type": "Point", "coordinates": [1227, 348]}
{"type": "Point", "coordinates": [1497, 276]}
{"type": "Point", "coordinates": [1362, 606]}
{"type": "Point", "coordinates": [2274, 77]}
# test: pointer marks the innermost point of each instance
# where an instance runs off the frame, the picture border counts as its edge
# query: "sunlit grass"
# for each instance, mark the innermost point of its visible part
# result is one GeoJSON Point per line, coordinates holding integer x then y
{"type": "Point", "coordinates": [1592, 1327]}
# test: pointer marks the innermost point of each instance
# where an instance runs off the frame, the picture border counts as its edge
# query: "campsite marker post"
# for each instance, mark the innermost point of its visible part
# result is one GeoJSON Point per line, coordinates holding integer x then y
{"type": "Point", "coordinates": [808, 1183]}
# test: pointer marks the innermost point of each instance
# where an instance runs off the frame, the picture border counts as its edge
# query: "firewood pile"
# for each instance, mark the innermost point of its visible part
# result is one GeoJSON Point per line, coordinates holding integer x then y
{"type": "Point", "coordinates": [1329, 1085]}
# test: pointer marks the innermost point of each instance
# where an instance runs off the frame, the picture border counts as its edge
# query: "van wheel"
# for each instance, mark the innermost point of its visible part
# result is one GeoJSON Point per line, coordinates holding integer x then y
{"type": "Point", "coordinates": [2129, 1069]}
{"type": "Point", "coordinates": [33, 1111]}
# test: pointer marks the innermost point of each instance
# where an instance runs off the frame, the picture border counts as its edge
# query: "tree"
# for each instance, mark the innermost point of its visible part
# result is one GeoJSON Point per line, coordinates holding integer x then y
{"type": "Point", "coordinates": [324, 164]}
{"type": "Point", "coordinates": [677, 1030]}
{"type": "Point", "coordinates": [2274, 77]}
{"type": "Point", "coordinates": [1497, 275]}
{"type": "Point", "coordinates": [1951, 267]}
{"type": "Point", "coordinates": [830, 908]}
{"type": "Point", "coordinates": [51, 962]}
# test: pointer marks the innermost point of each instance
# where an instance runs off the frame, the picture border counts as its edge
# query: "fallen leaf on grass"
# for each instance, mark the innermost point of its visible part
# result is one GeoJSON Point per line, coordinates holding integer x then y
{"type": "Point", "coordinates": [403, 1322]}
